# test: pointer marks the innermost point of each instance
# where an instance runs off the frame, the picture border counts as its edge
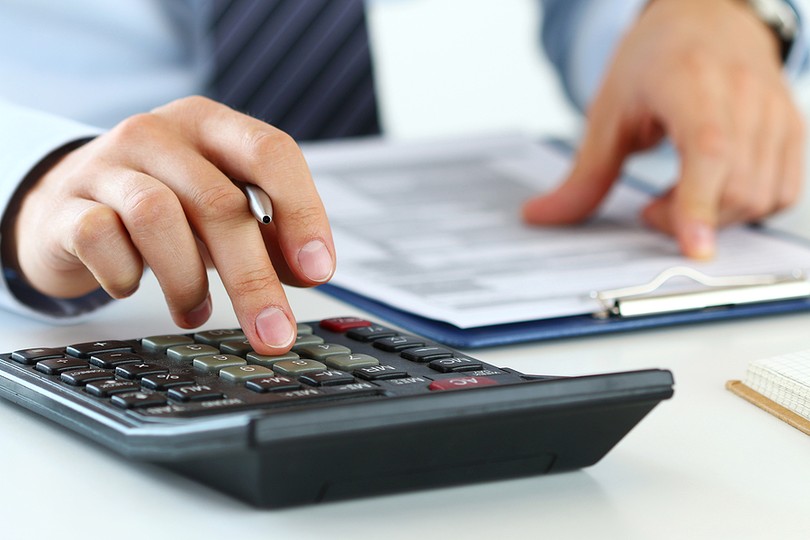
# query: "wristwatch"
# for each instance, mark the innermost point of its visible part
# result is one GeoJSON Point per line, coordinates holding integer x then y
{"type": "Point", "coordinates": [780, 17]}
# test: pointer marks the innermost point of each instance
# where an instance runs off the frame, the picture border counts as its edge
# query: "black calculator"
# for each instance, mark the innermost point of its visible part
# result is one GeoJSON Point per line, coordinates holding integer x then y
{"type": "Point", "coordinates": [355, 409]}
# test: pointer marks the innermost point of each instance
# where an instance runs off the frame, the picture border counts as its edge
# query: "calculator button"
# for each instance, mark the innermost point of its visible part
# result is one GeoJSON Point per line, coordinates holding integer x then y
{"type": "Point", "coordinates": [55, 366]}
{"type": "Point", "coordinates": [236, 347]}
{"type": "Point", "coordinates": [370, 333]}
{"type": "Point", "coordinates": [355, 389]}
{"type": "Point", "coordinates": [109, 387]}
{"type": "Point", "coordinates": [380, 372]}
{"type": "Point", "coordinates": [398, 343]}
{"type": "Point", "coordinates": [302, 394]}
{"type": "Point", "coordinates": [350, 362]}
{"type": "Point", "coordinates": [217, 337]}
{"type": "Point", "coordinates": [32, 356]}
{"type": "Point", "coordinates": [296, 368]}
{"type": "Point", "coordinates": [110, 360]}
{"type": "Point", "coordinates": [161, 343]}
{"type": "Point", "coordinates": [448, 365]}
{"type": "Point", "coordinates": [303, 329]}
{"type": "Point", "coordinates": [85, 350]}
{"type": "Point", "coordinates": [268, 361]}
{"type": "Point", "coordinates": [244, 373]}
{"type": "Point", "coordinates": [188, 353]}
{"type": "Point", "coordinates": [459, 383]}
{"type": "Point", "coordinates": [426, 354]}
{"type": "Point", "coordinates": [303, 341]}
{"type": "Point", "coordinates": [273, 384]}
{"type": "Point", "coordinates": [134, 400]}
{"type": "Point", "coordinates": [195, 392]}
{"type": "Point", "coordinates": [322, 351]}
{"type": "Point", "coordinates": [342, 324]}
{"type": "Point", "coordinates": [215, 362]}
{"type": "Point", "coordinates": [136, 371]}
{"type": "Point", "coordinates": [328, 377]}
{"type": "Point", "coordinates": [406, 381]}
{"type": "Point", "coordinates": [164, 381]}
{"type": "Point", "coordinates": [80, 377]}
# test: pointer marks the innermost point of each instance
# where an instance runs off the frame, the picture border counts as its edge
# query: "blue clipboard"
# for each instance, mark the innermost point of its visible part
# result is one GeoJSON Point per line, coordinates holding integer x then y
{"type": "Point", "coordinates": [557, 328]}
{"type": "Point", "coordinates": [741, 297]}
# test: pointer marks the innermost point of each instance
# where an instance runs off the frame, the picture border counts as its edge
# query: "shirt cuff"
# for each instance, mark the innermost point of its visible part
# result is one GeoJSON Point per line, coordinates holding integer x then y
{"type": "Point", "coordinates": [797, 61]}
{"type": "Point", "coordinates": [601, 26]}
{"type": "Point", "coordinates": [27, 137]}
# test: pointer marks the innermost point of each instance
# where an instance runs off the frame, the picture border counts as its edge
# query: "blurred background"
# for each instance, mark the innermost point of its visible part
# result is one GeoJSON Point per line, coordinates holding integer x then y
{"type": "Point", "coordinates": [465, 67]}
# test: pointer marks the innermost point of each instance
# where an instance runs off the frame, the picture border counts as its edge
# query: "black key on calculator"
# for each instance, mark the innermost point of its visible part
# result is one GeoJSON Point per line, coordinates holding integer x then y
{"type": "Point", "coordinates": [356, 409]}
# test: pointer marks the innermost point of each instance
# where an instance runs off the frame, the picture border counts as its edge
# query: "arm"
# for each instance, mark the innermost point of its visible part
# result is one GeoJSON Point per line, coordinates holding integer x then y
{"type": "Point", "coordinates": [708, 75]}
{"type": "Point", "coordinates": [157, 190]}
{"type": "Point", "coordinates": [26, 136]}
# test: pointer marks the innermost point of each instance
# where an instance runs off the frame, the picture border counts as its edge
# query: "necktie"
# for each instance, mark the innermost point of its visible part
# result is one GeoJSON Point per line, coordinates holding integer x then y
{"type": "Point", "coordinates": [302, 65]}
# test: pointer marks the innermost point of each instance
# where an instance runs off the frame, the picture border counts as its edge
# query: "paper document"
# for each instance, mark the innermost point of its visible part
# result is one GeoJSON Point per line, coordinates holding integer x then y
{"type": "Point", "coordinates": [435, 229]}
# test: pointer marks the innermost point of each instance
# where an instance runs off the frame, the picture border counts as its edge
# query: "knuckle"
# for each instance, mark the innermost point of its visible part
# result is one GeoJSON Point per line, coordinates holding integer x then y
{"type": "Point", "coordinates": [745, 204]}
{"type": "Point", "coordinates": [301, 216]}
{"type": "Point", "coordinates": [137, 127]}
{"type": "Point", "coordinates": [253, 281]}
{"type": "Point", "coordinates": [711, 140]}
{"type": "Point", "coordinates": [96, 225]}
{"type": "Point", "coordinates": [189, 292]}
{"type": "Point", "coordinates": [743, 80]}
{"type": "Point", "coordinates": [263, 145]}
{"type": "Point", "coordinates": [696, 61]}
{"type": "Point", "coordinates": [149, 207]}
{"type": "Point", "coordinates": [219, 203]}
{"type": "Point", "coordinates": [193, 102]}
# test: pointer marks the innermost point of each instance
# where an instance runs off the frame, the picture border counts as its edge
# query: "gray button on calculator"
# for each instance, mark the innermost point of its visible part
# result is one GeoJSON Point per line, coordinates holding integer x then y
{"type": "Point", "coordinates": [322, 351]}
{"type": "Point", "coordinates": [350, 362]}
{"type": "Point", "coordinates": [190, 352]}
{"type": "Point", "coordinates": [215, 362]}
{"type": "Point", "coordinates": [161, 343]}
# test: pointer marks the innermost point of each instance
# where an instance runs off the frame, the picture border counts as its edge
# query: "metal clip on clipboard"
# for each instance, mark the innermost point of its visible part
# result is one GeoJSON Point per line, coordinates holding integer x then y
{"type": "Point", "coordinates": [715, 292]}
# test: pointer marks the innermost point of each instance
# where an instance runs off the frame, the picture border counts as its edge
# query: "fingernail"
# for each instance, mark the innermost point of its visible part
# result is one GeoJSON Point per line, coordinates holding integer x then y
{"type": "Point", "coordinates": [274, 328]}
{"type": "Point", "coordinates": [199, 314]}
{"type": "Point", "coordinates": [316, 261]}
{"type": "Point", "coordinates": [700, 240]}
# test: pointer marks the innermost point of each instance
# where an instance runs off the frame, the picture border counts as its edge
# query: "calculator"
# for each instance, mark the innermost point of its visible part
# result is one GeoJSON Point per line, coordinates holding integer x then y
{"type": "Point", "coordinates": [355, 409]}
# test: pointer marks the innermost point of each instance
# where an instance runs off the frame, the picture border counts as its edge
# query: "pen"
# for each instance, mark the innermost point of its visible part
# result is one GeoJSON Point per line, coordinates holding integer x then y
{"type": "Point", "coordinates": [260, 205]}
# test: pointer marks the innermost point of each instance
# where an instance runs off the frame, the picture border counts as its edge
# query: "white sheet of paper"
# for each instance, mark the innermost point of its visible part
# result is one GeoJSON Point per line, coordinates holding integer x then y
{"type": "Point", "coordinates": [435, 229]}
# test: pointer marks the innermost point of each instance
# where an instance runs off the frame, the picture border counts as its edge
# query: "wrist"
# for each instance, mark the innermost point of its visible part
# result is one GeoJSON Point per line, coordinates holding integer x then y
{"type": "Point", "coordinates": [781, 20]}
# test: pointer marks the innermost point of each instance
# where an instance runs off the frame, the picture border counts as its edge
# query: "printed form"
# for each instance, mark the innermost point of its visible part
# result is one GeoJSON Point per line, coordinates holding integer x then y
{"type": "Point", "coordinates": [435, 229]}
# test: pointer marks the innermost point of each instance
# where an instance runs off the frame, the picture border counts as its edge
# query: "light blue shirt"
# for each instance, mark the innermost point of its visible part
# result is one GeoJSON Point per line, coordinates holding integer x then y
{"type": "Point", "coordinates": [91, 63]}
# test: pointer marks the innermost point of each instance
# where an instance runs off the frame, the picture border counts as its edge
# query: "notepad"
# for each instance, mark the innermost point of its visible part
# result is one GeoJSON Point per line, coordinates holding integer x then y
{"type": "Point", "coordinates": [779, 385]}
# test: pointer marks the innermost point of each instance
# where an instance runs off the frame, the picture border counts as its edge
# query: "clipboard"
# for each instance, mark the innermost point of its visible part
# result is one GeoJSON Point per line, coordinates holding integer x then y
{"type": "Point", "coordinates": [353, 178]}
{"type": "Point", "coordinates": [619, 310]}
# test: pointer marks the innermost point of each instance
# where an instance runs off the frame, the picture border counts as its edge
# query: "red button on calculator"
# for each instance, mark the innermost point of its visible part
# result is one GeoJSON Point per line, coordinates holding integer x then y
{"type": "Point", "coordinates": [458, 383]}
{"type": "Point", "coordinates": [341, 324]}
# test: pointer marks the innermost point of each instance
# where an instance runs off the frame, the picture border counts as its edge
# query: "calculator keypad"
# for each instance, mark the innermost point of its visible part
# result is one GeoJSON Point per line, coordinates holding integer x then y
{"type": "Point", "coordinates": [217, 371]}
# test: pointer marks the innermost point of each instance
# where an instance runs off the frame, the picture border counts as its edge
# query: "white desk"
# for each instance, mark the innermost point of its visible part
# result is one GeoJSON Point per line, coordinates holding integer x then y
{"type": "Point", "coordinates": [704, 464]}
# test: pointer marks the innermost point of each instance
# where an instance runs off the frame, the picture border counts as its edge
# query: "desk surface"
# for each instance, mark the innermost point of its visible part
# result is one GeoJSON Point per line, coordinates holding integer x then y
{"type": "Point", "coordinates": [705, 464]}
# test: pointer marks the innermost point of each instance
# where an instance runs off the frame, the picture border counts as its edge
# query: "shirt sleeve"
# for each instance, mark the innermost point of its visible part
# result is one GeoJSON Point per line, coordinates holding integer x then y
{"type": "Point", "coordinates": [581, 36]}
{"type": "Point", "coordinates": [26, 138]}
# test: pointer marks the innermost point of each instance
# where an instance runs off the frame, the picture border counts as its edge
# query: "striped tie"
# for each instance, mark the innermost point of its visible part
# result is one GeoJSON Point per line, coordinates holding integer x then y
{"type": "Point", "coordinates": [302, 65]}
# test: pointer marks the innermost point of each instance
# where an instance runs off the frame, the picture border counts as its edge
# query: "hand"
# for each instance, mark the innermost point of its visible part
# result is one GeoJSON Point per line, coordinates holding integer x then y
{"type": "Point", "coordinates": [157, 190]}
{"type": "Point", "coordinates": [708, 75]}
